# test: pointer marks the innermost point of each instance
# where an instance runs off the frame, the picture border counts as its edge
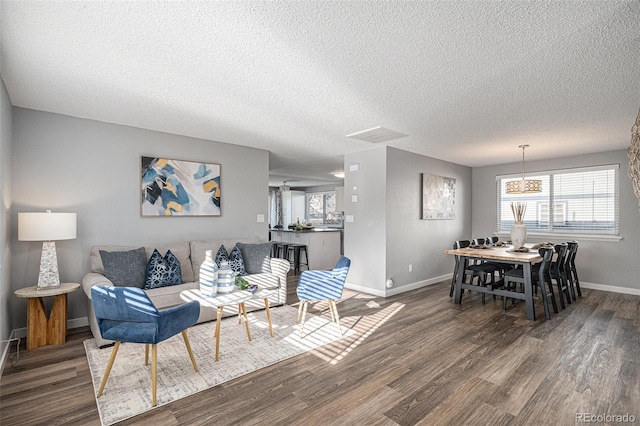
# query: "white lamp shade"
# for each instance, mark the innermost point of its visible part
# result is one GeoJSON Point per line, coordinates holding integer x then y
{"type": "Point", "coordinates": [46, 226]}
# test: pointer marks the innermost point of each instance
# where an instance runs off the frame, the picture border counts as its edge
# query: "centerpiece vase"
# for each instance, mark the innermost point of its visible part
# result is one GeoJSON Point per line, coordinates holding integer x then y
{"type": "Point", "coordinates": [518, 234]}
{"type": "Point", "coordinates": [226, 278]}
{"type": "Point", "coordinates": [208, 276]}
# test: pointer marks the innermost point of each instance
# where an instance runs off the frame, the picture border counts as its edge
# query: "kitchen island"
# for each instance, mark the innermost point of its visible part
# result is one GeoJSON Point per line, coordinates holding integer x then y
{"type": "Point", "coordinates": [323, 244]}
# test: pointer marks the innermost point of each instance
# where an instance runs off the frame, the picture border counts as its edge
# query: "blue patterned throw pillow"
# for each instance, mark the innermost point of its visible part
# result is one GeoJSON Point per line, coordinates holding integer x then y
{"type": "Point", "coordinates": [221, 255]}
{"type": "Point", "coordinates": [163, 271]}
{"type": "Point", "coordinates": [236, 262]}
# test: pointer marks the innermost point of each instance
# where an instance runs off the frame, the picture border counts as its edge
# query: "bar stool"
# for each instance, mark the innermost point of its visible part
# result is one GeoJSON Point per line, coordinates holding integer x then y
{"type": "Point", "coordinates": [296, 250]}
{"type": "Point", "coordinates": [274, 249]}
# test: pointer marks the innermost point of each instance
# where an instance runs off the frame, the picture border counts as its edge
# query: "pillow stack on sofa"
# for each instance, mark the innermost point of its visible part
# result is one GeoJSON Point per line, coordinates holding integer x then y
{"type": "Point", "coordinates": [164, 271]}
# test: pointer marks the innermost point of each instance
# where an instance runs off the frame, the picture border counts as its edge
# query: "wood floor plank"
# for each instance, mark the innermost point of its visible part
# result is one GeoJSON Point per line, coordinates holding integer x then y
{"type": "Point", "coordinates": [416, 358]}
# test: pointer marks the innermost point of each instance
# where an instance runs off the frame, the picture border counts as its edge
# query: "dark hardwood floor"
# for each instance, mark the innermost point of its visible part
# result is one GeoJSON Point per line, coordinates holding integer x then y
{"type": "Point", "coordinates": [417, 358]}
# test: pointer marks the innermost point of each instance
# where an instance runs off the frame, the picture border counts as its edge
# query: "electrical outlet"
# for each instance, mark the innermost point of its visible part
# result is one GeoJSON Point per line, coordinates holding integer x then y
{"type": "Point", "coordinates": [411, 267]}
{"type": "Point", "coordinates": [260, 218]}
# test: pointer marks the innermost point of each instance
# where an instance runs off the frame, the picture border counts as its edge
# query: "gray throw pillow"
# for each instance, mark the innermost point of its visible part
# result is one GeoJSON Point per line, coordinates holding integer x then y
{"type": "Point", "coordinates": [125, 268]}
{"type": "Point", "coordinates": [256, 257]}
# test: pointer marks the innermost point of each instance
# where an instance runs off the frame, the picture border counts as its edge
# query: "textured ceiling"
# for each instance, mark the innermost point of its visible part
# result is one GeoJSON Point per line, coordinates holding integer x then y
{"type": "Point", "coordinates": [468, 81]}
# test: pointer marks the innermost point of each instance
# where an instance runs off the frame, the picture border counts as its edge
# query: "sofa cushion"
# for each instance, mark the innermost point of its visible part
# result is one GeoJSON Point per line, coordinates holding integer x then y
{"type": "Point", "coordinates": [125, 268]}
{"type": "Point", "coordinates": [256, 257]}
{"type": "Point", "coordinates": [236, 262]}
{"type": "Point", "coordinates": [162, 271]}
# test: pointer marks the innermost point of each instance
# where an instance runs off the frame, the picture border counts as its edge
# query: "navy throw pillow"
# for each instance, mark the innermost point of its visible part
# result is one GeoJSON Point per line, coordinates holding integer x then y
{"type": "Point", "coordinates": [163, 271]}
{"type": "Point", "coordinates": [236, 262]}
{"type": "Point", "coordinates": [125, 268]}
{"type": "Point", "coordinates": [221, 255]}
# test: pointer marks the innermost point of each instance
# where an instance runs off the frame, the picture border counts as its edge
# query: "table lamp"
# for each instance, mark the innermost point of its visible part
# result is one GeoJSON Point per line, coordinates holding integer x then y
{"type": "Point", "coordinates": [47, 227]}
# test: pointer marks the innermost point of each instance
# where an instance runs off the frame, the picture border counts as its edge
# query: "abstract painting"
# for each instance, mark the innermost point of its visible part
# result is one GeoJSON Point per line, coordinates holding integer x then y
{"type": "Point", "coordinates": [179, 188]}
{"type": "Point", "coordinates": [438, 197]}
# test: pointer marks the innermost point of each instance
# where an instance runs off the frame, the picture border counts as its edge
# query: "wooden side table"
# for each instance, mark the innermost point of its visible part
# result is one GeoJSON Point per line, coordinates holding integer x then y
{"type": "Point", "coordinates": [40, 329]}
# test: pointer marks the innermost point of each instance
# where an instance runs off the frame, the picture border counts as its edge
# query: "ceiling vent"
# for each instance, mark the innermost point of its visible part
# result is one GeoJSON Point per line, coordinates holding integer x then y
{"type": "Point", "coordinates": [377, 135]}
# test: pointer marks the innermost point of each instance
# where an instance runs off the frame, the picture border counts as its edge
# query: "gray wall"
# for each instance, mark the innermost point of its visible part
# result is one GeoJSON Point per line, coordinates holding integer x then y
{"type": "Point", "coordinates": [92, 168]}
{"type": "Point", "coordinates": [600, 264]}
{"type": "Point", "coordinates": [6, 295]}
{"type": "Point", "coordinates": [365, 238]}
{"type": "Point", "coordinates": [388, 234]}
{"type": "Point", "coordinates": [411, 240]}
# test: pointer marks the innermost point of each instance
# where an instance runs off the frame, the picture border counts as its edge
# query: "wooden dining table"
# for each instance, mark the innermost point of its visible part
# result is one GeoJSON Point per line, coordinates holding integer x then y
{"type": "Point", "coordinates": [504, 254]}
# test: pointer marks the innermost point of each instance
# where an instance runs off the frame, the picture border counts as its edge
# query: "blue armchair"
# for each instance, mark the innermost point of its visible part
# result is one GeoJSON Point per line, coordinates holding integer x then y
{"type": "Point", "coordinates": [126, 314]}
{"type": "Point", "coordinates": [315, 286]}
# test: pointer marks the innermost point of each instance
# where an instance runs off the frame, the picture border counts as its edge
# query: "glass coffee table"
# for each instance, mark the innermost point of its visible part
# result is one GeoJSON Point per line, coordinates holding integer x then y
{"type": "Point", "coordinates": [237, 297]}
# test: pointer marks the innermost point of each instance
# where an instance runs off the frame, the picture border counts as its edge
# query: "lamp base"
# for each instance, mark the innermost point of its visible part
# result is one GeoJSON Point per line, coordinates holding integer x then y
{"type": "Point", "coordinates": [48, 277]}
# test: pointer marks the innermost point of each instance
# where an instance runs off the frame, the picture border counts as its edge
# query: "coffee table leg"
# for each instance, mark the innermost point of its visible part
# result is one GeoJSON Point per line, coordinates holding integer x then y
{"type": "Point", "coordinates": [246, 320]}
{"type": "Point", "coordinates": [217, 332]}
{"type": "Point", "coordinates": [266, 308]}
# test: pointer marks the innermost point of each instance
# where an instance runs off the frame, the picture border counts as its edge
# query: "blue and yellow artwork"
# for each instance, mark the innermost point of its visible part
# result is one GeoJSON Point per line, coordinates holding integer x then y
{"type": "Point", "coordinates": [179, 188]}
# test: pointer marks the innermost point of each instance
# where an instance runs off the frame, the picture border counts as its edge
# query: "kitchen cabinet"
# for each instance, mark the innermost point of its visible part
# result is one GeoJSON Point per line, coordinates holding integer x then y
{"type": "Point", "coordinates": [323, 246]}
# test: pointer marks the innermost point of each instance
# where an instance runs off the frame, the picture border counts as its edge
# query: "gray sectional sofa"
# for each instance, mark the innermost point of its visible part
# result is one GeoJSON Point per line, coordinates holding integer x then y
{"type": "Point", "coordinates": [191, 255]}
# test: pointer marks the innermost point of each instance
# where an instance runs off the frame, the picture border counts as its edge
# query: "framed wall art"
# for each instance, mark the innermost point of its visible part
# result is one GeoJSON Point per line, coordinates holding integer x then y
{"type": "Point", "coordinates": [179, 188]}
{"type": "Point", "coordinates": [438, 197]}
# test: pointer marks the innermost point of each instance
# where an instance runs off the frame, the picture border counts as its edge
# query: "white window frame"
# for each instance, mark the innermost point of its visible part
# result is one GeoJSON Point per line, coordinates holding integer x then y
{"type": "Point", "coordinates": [502, 227]}
{"type": "Point", "coordinates": [324, 206]}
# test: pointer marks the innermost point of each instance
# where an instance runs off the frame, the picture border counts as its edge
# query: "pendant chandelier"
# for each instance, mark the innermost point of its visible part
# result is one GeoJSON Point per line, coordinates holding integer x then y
{"type": "Point", "coordinates": [524, 186]}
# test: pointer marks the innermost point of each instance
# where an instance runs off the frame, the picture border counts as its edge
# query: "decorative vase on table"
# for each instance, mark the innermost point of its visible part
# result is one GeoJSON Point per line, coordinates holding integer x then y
{"type": "Point", "coordinates": [208, 276]}
{"type": "Point", "coordinates": [518, 234]}
{"type": "Point", "coordinates": [226, 278]}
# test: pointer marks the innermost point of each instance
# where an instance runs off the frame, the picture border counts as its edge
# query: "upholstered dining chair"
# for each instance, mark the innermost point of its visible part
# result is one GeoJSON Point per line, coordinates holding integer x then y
{"type": "Point", "coordinates": [318, 285]}
{"type": "Point", "coordinates": [126, 314]}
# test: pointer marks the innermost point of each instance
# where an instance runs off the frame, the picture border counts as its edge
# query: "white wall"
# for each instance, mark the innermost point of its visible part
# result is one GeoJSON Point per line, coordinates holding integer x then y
{"type": "Point", "coordinates": [6, 293]}
{"type": "Point", "coordinates": [388, 234]}
{"type": "Point", "coordinates": [93, 168]}
{"type": "Point", "coordinates": [612, 265]}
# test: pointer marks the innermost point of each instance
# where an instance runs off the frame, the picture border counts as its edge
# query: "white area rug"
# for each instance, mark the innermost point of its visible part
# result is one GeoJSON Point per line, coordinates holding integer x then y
{"type": "Point", "coordinates": [128, 390]}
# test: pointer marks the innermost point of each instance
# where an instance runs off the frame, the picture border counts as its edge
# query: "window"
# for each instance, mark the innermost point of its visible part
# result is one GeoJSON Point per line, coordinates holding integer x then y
{"type": "Point", "coordinates": [572, 201]}
{"type": "Point", "coordinates": [321, 208]}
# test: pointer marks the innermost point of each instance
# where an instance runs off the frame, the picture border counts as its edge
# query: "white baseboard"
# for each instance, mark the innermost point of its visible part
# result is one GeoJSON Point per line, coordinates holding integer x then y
{"type": "Point", "coordinates": [4, 352]}
{"type": "Point", "coordinates": [611, 288]}
{"type": "Point", "coordinates": [72, 323]}
{"type": "Point", "coordinates": [397, 290]}
{"type": "Point", "coordinates": [431, 281]}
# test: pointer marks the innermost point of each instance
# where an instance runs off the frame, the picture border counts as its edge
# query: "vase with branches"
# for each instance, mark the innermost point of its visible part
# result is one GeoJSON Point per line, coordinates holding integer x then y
{"type": "Point", "coordinates": [518, 229]}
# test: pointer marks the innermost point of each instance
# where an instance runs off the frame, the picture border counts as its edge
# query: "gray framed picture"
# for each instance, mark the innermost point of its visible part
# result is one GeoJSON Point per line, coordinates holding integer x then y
{"type": "Point", "coordinates": [179, 188]}
{"type": "Point", "coordinates": [438, 197]}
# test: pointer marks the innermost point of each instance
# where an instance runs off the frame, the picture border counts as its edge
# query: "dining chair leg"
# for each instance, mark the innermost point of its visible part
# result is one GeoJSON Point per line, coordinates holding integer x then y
{"type": "Point", "coordinates": [112, 358]}
{"type": "Point", "coordinates": [561, 294]}
{"type": "Point", "coordinates": [331, 311]}
{"type": "Point", "coordinates": [299, 312]}
{"type": "Point", "coordinates": [545, 301]}
{"type": "Point", "coordinates": [575, 273]}
{"type": "Point", "coordinates": [335, 309]}
{"type": "Point", "coordinates": [552, 293]}
{"type": "Point", "coordinates": [188, 345]}
{"type": "Point", "coordinates": [304, 313]}
{"type": "Point", "coordinates": [146, 354]}
{"type": "Point", "coordinates": [154, 372]}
